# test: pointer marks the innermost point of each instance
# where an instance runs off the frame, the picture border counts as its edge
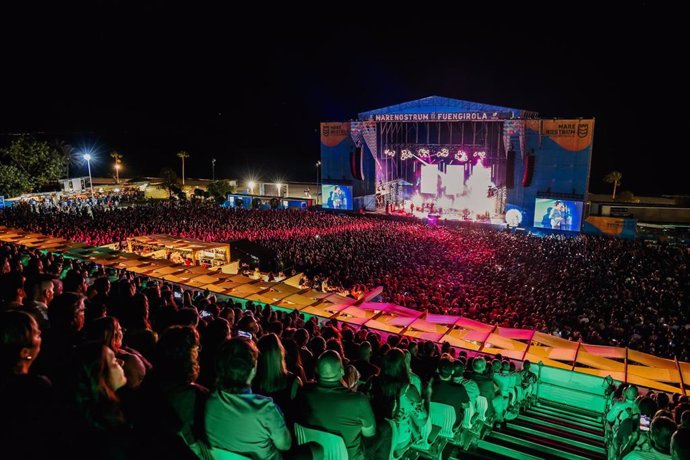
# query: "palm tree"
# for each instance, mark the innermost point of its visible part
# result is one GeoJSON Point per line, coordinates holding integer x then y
{"type": "Point", "coordinates": [66, 153]}
{"type": "Point", "coordinates": [118, 159]}
{"type": "Point", "coordinates": [182, 155]}
{"type": "Point", "coordinates": [614, 177]}
{"type": "Point", "coordinates": [169, 179]}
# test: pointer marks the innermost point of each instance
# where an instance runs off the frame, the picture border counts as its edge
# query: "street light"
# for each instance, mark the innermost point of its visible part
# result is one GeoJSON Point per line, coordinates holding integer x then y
{"type": "Point", "coordinates": [318, 187]}
{"type": "Point", "coordinates": [280, 186]}
{"type": "Point", "coordinates": [87, 157]}
{"type": "Point", "coordinates": [251, 185]}
{"type": "Point", "coordinates": [118, 160]}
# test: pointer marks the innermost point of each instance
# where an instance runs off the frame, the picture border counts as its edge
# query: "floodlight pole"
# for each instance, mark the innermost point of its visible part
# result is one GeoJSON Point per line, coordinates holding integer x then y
{"type": "Point", "coordinates": [87, 157]}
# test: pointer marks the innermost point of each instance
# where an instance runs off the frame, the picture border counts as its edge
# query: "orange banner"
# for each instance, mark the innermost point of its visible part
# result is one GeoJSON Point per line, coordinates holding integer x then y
{"type": "Point", "coordinates": [333, 134]}
{"type": "Point", "coordinates": [572, 135]}
{"type": "Point", "coordinates": [612, 226]}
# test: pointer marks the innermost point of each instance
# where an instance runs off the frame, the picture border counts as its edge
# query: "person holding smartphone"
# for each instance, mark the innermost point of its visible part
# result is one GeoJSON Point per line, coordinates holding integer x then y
{"type": "Point", "coordinates": [247, 327]}
{"type": "Point", "coordinates": [624, 409]}
{"type": "Point", "coordinates": [645, 422]}
{"type": "Point", "coordinates": [620, 411]}
{"type": "Point", "coordinates": [656, 445]}
{"type": "Point", "coordinates": [263, 433]}
{"type": "Point", "coordinates": [244, 334]}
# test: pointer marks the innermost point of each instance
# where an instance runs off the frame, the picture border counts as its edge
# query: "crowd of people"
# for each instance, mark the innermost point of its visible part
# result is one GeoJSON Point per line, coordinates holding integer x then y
{"type": "Point", "coordinates": [598, 290]}
{"type": "Point", "coordinates": [100, 363]}
{"type": "Point", "coordinates": [646, 426]}
{"type": "Point", "coordinates": [103, 363]}
{"type": "Point", "coordinates": [80, 203]}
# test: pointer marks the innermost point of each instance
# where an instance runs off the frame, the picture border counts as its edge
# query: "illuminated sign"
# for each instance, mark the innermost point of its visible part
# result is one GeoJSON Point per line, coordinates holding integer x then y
{"type": "Point", "coordinates": [442, 116]}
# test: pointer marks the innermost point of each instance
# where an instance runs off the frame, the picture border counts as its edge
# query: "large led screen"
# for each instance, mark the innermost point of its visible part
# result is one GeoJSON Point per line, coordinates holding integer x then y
{"type": "Point", "coordinates": [558, 214]}
{"type": "Point", "coordinates": [337, 196]}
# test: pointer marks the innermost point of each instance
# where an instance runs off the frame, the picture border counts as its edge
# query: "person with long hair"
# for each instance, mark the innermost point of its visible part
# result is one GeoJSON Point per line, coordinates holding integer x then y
{"type": "Point", "coordinates": [67, 316]}
{"type": "Point", "coordinates": [169, 396]}
{"type": "Point", "coordinates": [139, 333]}
{"type": "Point", "coordinates": [26, 398]}
{"type": "Point", "coordinates": [95, 422]}
{"type": "Point", "coordinates": [98, 375]}
{"type": "Point", "coordinates": [20, 343]}
{"type": "Point", "coordinates": [272, 377]}
{"type": "Point", "coordinates": [108, 331]}
{"type": "Point", "coordinates": [395, 398]}
{"type": "Point", "coordinates": [293, 359]}
{"type": "Point", "coordinates": [215, 334]}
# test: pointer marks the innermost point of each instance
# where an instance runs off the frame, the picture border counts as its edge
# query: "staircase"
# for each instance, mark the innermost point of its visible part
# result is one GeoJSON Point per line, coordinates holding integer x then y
{"type": "Point", "coordinates": [547, 431]}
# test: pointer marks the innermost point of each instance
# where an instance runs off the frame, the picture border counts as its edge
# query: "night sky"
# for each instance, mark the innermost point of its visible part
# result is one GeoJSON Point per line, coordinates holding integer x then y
{"type": "Point", "coordinates": [251, 91]}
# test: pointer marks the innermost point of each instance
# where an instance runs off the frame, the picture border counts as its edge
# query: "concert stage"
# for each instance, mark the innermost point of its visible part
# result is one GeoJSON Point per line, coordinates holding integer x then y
{"type": "Point", "coordinates": [462, 161]}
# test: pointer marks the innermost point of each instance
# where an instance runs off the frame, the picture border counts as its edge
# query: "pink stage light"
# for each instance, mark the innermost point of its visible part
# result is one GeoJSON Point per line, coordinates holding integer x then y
{"type": "Point", "coordinates": [461, 156]}
{"type": "Point", "coordinates": [443, 153]}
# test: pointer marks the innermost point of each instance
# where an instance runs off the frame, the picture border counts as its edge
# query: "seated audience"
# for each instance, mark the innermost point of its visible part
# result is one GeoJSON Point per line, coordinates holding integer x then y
{"type": "Point", "coordinates": [235, 418]}
{"type": "Point", "coordinates": [444, 391]}
{"type": "Point", "coordinates": [272, 377]}
{"type": "Point", "coordinates": [327, 405]}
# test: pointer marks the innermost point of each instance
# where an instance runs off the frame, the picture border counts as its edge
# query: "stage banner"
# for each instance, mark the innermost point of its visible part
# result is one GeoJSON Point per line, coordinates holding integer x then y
{"type": "Point", "coordinates": [333, 134]}
{"type": "Point", "coordinates": [572, 135]}
{"type": "Point", "coordinates": [620, 227]}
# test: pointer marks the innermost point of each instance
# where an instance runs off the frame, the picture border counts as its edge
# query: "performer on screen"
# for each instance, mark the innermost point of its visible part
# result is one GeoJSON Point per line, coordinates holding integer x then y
{"type": "Point", "coordinates": [558, 215]}
{"type": "Point", "coordinates": [339, 198]}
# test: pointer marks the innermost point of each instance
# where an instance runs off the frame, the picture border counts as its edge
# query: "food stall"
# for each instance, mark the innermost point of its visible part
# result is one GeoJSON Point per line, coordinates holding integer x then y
{"type": "Point", "coordinates": [180, 250]}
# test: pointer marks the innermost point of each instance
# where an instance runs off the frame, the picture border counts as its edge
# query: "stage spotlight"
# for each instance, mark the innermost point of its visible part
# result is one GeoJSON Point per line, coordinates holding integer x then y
{"type": "Point", "coordinates": [461, 156]}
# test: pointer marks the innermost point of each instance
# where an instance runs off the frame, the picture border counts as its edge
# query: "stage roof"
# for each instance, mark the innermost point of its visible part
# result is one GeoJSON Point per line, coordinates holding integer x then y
{"type": "Point", "coordinates": [438, 104]}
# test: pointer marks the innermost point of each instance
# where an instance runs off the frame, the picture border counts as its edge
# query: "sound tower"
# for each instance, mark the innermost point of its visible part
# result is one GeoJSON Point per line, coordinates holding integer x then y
{"type": "Point", "coordinates": [529, 171]}
{"type": "Point", "coordinates": [356, 165]}
{"type": "Point", "coordinates": [510, 169]}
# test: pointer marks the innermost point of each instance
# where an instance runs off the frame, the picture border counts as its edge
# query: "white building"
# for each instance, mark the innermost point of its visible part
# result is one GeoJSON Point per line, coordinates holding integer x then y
{"type": "Point", "coordinates": [75, 184]}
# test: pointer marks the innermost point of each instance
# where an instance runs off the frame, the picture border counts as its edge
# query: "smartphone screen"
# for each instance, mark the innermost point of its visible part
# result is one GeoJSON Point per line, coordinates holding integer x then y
{"type": "Point", "coordinates": [644, 423]}
{"type": "Point", "coordinates": [245, 334]}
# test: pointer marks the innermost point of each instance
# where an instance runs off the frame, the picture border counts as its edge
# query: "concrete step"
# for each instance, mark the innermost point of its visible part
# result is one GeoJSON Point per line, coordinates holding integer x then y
{"type": "Point", "coordinates": [539, 449]}
{"type": "Point", "coordinates": [568, 409]}
{"type": "Point", "coordinates": [561, 441]}
{"type": "Point", "coordinates": [567, 430]}
{"type": "Point", "coordinates": [596, 429]}
{"type": "Point", "coordinates": [559, 415]}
